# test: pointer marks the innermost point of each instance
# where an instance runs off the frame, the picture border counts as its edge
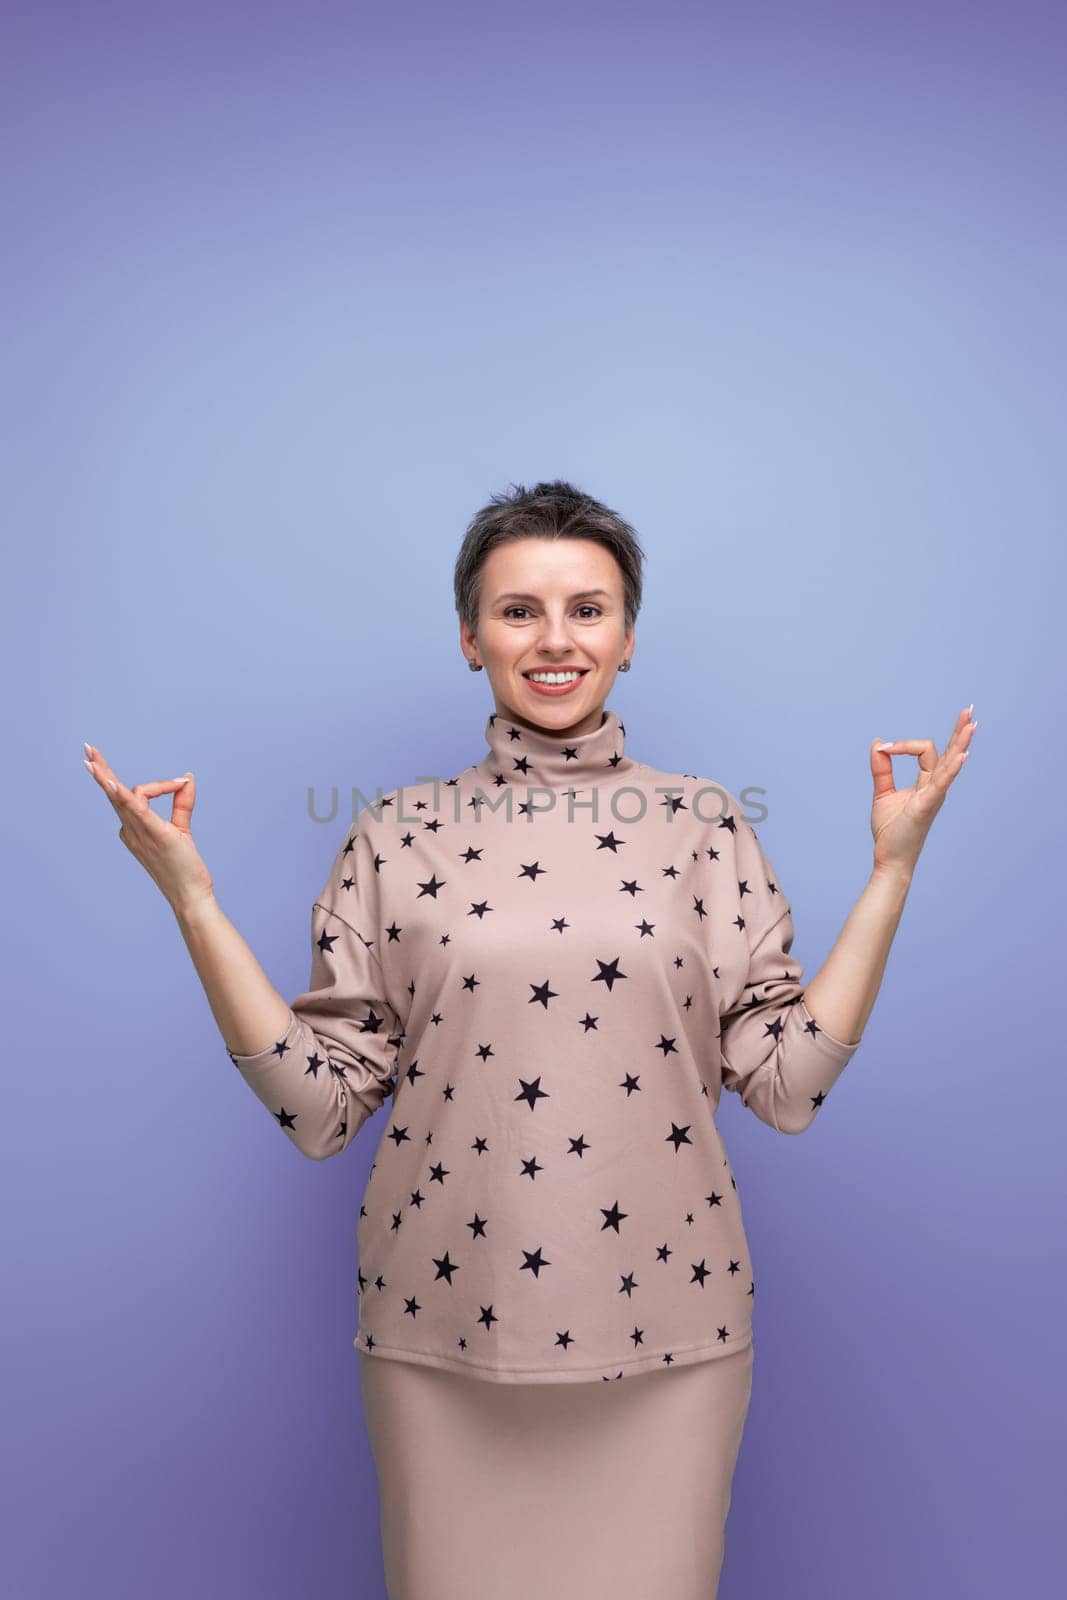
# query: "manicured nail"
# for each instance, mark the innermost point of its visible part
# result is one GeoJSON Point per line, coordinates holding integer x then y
{"type": "Point", "coordinates": [888, 744]}
{"type": "Point", "coordinates": [88, 766]}
{"type": "Point", "coordinates": [87, 748]}
{"type": "Point", "coordinates": [113, 786]}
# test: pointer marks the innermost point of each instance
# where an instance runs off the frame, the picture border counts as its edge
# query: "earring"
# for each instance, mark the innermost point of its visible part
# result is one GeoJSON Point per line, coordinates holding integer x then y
{"type": "Point", "coordinates": [474, 666]}
{"type": "Point", "coordinates": [624, 666]}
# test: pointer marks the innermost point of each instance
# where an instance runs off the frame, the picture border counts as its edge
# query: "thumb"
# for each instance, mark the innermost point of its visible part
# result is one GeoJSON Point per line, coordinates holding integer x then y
{"type": "Point", "coordinates": [184, 801]}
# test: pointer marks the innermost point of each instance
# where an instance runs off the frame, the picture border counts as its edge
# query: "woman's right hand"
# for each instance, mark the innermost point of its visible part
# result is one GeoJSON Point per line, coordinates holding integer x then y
{"type": "Point", "coordinates": [165, 849]}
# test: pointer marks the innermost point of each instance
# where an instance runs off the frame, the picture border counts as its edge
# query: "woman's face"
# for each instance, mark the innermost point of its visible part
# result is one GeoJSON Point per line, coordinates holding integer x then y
{"type": "Point", "coordinates": [550, 604]}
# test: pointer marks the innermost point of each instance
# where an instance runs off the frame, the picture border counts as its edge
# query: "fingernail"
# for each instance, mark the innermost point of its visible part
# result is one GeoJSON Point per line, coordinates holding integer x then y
{"type": "Point", "coordinates": [87, 748]}
{"type": "Point", "coordinates": [970, 708]}
{"type": "Point", "coordinates": [88, 766]}
{"type": "Point", "coordinates": [113, 786]}
{"type": "Point", "coordinates": [888, 744]}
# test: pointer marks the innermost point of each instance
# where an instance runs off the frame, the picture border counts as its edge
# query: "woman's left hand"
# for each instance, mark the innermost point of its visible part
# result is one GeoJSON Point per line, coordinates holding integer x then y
{"type": "Point", "coordinates": [901, 818]}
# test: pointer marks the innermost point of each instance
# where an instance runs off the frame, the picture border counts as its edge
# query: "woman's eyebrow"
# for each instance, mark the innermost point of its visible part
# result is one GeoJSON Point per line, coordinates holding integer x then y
{"type": "Point", "coordinates": [585, 594]}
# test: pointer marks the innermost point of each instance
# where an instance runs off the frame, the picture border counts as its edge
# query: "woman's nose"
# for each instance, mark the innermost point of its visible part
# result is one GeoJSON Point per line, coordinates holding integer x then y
{"type": "Point", "coordinates": [555, 635]}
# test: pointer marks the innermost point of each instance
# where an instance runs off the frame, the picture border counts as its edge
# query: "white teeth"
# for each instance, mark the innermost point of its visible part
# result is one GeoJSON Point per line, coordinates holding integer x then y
{"type": "Point", "coordinates": [553, 677]}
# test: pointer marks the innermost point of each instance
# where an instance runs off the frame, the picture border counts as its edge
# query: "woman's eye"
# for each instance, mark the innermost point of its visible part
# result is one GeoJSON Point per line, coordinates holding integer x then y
{"type": "Point", "coordinates": [589, 607]}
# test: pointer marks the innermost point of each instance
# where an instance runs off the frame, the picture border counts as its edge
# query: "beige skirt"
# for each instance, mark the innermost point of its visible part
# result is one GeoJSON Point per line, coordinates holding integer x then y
{"type": "Point", "coordinates": [578, 1491]}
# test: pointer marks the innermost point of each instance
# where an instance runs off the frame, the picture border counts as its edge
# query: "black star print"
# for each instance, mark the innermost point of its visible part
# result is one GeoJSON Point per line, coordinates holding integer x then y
{"type": "Point", "coordinates": [609, 972]}
{"type": "Point", "coordinates": [531, 1092]}
{"type": "Point", "coordinates": [608, 841]}
{"type": "Point", "coordinates": [534, 1262]}
{"type": "Point", "coordinates": [388, 973]}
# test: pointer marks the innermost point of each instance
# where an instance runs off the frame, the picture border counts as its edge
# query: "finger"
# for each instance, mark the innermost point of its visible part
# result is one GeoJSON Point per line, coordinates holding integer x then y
{"type": "Point", "coordinates": [882, 769]}
{"type": "Point", "coordinates": [925, 749]}
{"type": "Point", "coordinates": [139, 813]}
{"type": "Point", "coordinates": [118, 792]}
{"type": "Point", "coordinates": [105, 778]}
{"type": "Point", "coordinates": [958, 747]}
{"type": "Point", "coordinates": [152, 791]}
{"type": "Point", "coordinates": [963, 728]}
{"type": "Point", "coordinates": [184, 800]}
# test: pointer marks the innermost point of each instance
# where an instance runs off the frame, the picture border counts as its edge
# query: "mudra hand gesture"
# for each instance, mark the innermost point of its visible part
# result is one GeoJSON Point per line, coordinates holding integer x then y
{"type": "Point", "coordinates": [164, 848]}
{"type": "Point", "coordinates": [901, 818]}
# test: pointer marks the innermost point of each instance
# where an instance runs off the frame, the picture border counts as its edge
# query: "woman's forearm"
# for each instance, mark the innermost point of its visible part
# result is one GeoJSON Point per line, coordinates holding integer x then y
{"type": "Point", "coordinates": [841, 995]}
{"type": "Point", "coordinates": [250, 1013]}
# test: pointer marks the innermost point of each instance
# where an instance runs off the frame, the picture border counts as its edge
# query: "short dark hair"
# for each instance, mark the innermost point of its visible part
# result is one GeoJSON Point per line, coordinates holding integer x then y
{"type": "Point", "coordinates": [555, 510]}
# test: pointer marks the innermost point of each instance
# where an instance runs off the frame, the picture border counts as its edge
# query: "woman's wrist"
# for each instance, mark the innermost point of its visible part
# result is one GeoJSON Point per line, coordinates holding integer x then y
{"type": "Point", "coordinates": [196, 910]}
{"type": "Point", "coordinates": [892, 876]}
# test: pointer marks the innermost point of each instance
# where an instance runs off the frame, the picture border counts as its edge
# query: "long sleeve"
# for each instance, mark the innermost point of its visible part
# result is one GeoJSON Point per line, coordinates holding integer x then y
{"type": "Point", "coordinates": [774, 1054]}
{"type": "Point", "coordinates": [333, 1067]}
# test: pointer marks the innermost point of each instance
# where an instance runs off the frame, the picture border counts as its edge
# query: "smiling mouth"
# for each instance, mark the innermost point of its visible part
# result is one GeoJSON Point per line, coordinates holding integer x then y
{"type": "Point", "coordinates": [581, 671]}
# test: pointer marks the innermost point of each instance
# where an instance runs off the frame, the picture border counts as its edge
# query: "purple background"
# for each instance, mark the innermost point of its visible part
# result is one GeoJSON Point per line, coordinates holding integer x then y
{"type": "Point", "coordinates": [289, 291]}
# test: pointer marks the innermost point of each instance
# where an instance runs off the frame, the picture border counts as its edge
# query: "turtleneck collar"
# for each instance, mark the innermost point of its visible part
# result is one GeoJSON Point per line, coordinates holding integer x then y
{"type": "Point", "coordinates": [532, 758]}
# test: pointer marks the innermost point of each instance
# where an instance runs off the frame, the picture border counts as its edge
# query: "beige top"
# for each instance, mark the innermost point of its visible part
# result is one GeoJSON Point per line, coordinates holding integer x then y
{"type": "Point", "coordinates": [553, 997]}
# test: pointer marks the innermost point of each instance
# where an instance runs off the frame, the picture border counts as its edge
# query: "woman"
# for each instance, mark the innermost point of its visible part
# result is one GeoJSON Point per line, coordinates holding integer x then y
{"type": "Point", "coordinates": [551, 964]}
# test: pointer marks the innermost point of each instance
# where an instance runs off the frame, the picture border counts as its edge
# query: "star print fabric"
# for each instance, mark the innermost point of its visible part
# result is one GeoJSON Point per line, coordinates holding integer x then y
{"type": "Point", "coordinates": [774, 1055]}
{"type": "Point", "coordinates": [550, 966]}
